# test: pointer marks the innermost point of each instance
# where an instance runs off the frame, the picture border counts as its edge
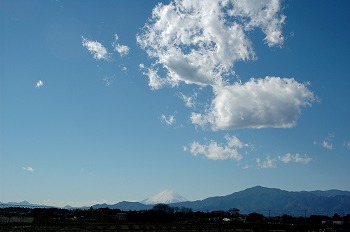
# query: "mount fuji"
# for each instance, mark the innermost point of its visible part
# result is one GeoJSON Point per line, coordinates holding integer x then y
{"type": "Point", "coordinates": [164, 197]}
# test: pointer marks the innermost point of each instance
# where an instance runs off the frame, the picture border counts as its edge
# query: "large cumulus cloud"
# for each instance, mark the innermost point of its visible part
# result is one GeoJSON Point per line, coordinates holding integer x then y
{"type": "Point", "coordinates": [269, 102]}
{"type": "Point", "coordinates": [199, 41]}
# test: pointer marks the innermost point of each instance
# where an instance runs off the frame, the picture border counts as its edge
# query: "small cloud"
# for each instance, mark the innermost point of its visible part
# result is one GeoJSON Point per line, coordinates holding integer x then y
{"type": "Point", "coordinates": [123, 68]}
{"type": "Point", "coordinates": [184, 148]}
{"type": "Point", "coordinates": [327, 145]}
{"type": "Point", "coordinates": [154, 80]}
{"type": "Point", "coordinates": [189, 101]}
{"type": "Point", "coordinates": [247, 166]}
{"type": "Point", "coordinates": [347, 144]}
{"type": "Point", "coordinates": [233, 141]}
{"type": "Point", "coordinates": [97, 49]}
{"type": "Point", "coordinates": [216, 151]}
{"type": "Point", "coordinates": [28, 169]}
{"type": "Point", "coordinates": [327, 142]}
{"type": "Point", "coordinates": [168, 120]}
{"type": "Point", "coordinates": [107, 81]}
{"type": "Point", "coordinates": [121, 49]}
{"type": "Point", "coordinates": [287, 158]}
{"type": "Point", "coordinates": [331, 135]}
{"type": "Point", "coordinates": [39, 84]}
{"type": "Point", "coordinates": [266, 163]}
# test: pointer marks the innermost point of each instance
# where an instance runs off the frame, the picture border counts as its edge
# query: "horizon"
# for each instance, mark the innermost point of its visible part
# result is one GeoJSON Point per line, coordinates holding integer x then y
{"type": "Point", "coordinates": [113, 101]}
{"type": "Point", "coordinates": [141, 201]}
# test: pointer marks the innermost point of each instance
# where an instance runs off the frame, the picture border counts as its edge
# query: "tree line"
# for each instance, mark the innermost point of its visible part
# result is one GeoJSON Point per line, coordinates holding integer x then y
{"type": "Point", "coordinates": [163, 213]}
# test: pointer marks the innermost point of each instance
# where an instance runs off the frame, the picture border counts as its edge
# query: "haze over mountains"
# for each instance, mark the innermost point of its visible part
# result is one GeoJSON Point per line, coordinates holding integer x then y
{"type": "Point", "coordinates": [267, 201]}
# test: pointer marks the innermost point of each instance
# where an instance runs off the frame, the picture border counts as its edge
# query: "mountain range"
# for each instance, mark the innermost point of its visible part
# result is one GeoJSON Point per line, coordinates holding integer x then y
{"type": "Point", "coordinates": [271, 201]}
{"type": "Point", "coordinates": [21, 204]}
{"type": "Point", "coordinates": [267, 201]}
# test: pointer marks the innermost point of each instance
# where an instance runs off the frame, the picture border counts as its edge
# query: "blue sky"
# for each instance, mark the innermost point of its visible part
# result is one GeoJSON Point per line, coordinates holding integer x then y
{"type": "Point", "coordinates": [118, 100]}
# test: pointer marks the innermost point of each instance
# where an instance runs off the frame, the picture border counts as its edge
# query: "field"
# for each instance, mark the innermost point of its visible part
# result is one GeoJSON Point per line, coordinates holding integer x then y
{"type": "Point", "coordinates": [134, 227]}
{"type": "Point", "coordinates": [161, 220]}
{"type": "Point", "coordinates": [151, 227]}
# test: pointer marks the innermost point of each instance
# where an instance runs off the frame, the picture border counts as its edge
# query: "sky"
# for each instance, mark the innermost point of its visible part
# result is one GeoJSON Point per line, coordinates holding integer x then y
{"type": "Point", "coordinates": [106, 101]}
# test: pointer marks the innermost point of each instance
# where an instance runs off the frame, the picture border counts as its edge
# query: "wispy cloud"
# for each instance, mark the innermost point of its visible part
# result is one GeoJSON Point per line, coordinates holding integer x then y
{"type": "Point", "coordinates": [327, 145]}
{"type": "Point", "coordinates": [287, 158]}
{"type": "Point", "coordinates": [246, 166]}
{"type": "Point", "coordinates": [190, 101]}
{"type": "Point", "coordinates": [28, 169]}
{"type": "Point", "coordinates": [121, 49]}
{"type": "Point", "coordinates": [108, 81]}
{"type": "Point", "coordinates": [170, 120]}
{"type": "Point", "coordinates": [327, 142]}
{"type": "Point", "coordinates": [98, 51]}
{"type": "Point", "coordinates": [266, 163]}
{"type": "Point", "coordinates": [155, 81]}
{"type": "Point", "coordinates": [347, 144]}
{"type": "Point", "coordinates": [39, 84]}
{"type": "Point", "coordinates": [216, 151]}
{"type": "Point", "coordinates": [123, 68]}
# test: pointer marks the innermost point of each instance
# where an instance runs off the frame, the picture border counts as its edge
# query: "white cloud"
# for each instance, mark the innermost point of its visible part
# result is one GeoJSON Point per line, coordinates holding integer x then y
{"type": "Point", "coordinates": [259, 103]}
{"type": "Point", "coordinates": [266, 163]}
{"type": "Point", "coordinates": [123, 68]}
{"type": "Point", "coordinates": [327, 142]}
{"type": "Point", "coordinates": [190, 101]}
{"type": "Point", "coordinates": [170, 120]}
{"type": "Point", "coordinates": [287, 158]}
{"type": "Point", "coordinates": [233, 141]}
{"type": "Point", "coordinates": [39, 84]}
{"type": "Point", "coordinates": [28, 169]}
{"type": "Point", "coordinates": [215, 151]}
{"type": "Point", "coordinates": [327, 145]}
{"type": "Point", "coordinates": [347, 144]}
{"type": "Point", "coordinates": [155, 81]}
{"type": "Point", "coordinates": [121, 49]}
{"type": "Point", "coordinates": [107, 81]}
{"type": "Point", "coordinates": [199, 41]}
{"type": "Point", "coordinates": [263, 14]}
{"type": "Point", "coordinates": [199, 119]}
{"type": "Point", "coordinates": [97, 49]}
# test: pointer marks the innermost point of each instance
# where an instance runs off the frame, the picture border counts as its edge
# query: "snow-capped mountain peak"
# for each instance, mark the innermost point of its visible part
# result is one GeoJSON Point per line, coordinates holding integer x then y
{"type": "Point", "coordinates": [165, 197]}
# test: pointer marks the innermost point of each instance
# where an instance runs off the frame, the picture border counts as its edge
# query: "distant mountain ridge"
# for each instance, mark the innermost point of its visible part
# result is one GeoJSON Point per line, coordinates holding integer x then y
{"type": "Point", "coordinates": [267, 201]}
{"type": "Point", "coordinates": [21, 204]}
{"type": "Point", "coordinates": [272, 201]}
{"type": "Point", "coordinates": [330, 193]}
{"type": "Point", "coordinates": [125, 206]}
